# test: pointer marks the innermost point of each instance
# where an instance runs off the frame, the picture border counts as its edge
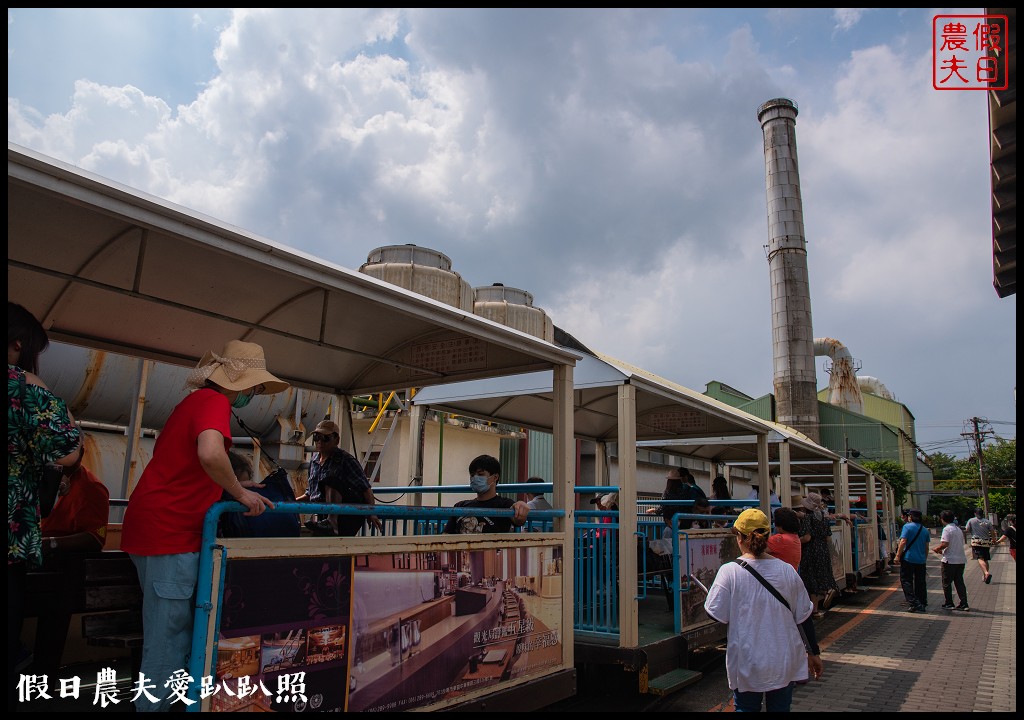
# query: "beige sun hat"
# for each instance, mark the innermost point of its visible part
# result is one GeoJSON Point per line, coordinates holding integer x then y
{"type": "Point", "coordinates": [813, 501]}
{"type": "Point", "coordinates": [240, 366]}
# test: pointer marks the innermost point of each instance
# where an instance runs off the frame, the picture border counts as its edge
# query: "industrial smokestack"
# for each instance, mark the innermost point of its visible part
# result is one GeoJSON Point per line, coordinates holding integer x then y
{"type": "Point", "coordinates": [796, 399]}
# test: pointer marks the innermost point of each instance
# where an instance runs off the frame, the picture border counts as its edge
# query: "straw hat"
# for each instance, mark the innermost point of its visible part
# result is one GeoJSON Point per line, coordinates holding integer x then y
{"type": "Point", "coordinates": [813, 501]}
{"type": "Point", "coordinates": [240, 366]}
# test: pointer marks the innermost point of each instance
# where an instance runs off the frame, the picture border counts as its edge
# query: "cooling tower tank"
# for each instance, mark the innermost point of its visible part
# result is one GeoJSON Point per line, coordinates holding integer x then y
{"type": "Point", "coordinates": [514, 308]}
{"type": "Point", "coordinates": [422, 270]}
{"type": "Point", "coordinates": [794, 379]}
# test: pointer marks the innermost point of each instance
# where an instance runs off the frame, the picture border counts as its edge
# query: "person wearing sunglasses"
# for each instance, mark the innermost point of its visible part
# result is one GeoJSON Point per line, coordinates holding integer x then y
{"type": "Point", "coordinates": [335, 476]}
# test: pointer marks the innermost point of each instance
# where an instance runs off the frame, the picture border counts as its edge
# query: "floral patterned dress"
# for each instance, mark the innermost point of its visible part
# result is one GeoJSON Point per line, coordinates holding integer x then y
{"type": "Point", "coordinates": [815, 558]}
{"type": "Point", "coordinates": [39, 430]}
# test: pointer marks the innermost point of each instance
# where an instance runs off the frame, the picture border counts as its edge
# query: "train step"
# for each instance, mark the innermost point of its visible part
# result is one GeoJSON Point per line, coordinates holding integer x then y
{"type": "Point", "coordinates": [672, 681]}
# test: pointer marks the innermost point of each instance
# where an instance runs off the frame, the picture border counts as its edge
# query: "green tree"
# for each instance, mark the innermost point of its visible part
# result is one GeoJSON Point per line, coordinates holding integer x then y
{"type": "Point", "coordinates": [1001, 460]}
{"type": "Point", "coordinates": [961, 505]}
{"type": "Point", "coordinates": [895, 474]}
{"type": "Point", "coordinates": [1003, 502]}
{"type": "Point", "coordinates": [943, 465]}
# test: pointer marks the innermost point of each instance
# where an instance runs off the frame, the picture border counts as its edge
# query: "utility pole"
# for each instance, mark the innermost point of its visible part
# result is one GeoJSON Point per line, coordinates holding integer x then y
{"type": "Point", "coordinates": [981, 465]}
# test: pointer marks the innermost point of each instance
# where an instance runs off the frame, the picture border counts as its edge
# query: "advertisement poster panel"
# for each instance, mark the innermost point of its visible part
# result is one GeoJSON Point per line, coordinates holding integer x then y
{"type": "Point", "coordinates": [284, 618]}
{"type": "Point", "coordinates": [706, 554]}
{"type": "Point", "coordinates": [386, 632]}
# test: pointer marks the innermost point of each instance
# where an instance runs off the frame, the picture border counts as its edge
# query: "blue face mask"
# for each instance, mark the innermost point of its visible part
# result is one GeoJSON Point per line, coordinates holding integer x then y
{"type": "Point", "coordinates": [479, 483]}
{"type": "Point", "coordinates": [242, 400]}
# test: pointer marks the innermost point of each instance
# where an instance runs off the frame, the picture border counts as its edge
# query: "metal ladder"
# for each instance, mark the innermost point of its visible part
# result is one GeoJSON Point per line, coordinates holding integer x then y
{"type": "Point", "coordinates": [381, 431]}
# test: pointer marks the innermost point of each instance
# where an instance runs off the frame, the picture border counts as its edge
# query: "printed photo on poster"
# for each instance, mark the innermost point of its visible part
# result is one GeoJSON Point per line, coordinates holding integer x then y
{"type": "Point", "coordinates": [284, 619]}
{"type": "Point", "coordinates": [430, 627]}
{"type": "Point", "coordinates": [282, 650]}
{"type": "Point", "coordinates": [706, 556]}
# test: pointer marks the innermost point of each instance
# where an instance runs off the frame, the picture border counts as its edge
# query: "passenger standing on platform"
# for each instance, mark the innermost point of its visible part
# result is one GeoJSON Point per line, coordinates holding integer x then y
{"type": "Point", "coordinates": [696, 491]}
{"type": "Point", "coordinates": [816, 552]}
{"type": "Point", "coordinates": [40, 429]}
{"type": "Point", "coordinates": [954, 560]}
{"type": "Point", "coordinates": [676, 488]}
{"type": "Point", "coordinates": [979, 530]}
{"type": "Point", "coordinates": [912, 554]}
{"type": "Point", "coordinates": [484, 474]}
{"type": "Point", "coordinates": [720, 491]}
{"type": "Point", "coordinates": [536, 500]}
{"type": "Point", "coordinates": [765, 656]}
{"type": "Point", "coordinates": [163, 524]}
{"type": "Point", "coordinates": [785, 542]}
{"type": "Point", "coordinates": [701, 506]}
{"type": "Point", "coordinates": [1010, 534]}
{"type": "Point", "coordinates": [77, 524]}
{"type": "Point", "coordinates": [773, 499]}
{"type": "Point", "coordinates": [78, 521]}
{"type": "Point", "coordinates": [336, 470]}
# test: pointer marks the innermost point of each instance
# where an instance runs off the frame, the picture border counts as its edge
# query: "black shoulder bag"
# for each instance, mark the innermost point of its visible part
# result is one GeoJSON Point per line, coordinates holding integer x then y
{"type": "Point", "coordinates": [916, 535]}
{"type": "Point", "coordinates": [810, 644]}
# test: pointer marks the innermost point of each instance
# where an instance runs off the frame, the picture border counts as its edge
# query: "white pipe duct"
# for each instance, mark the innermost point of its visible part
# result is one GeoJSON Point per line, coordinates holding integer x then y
{"type": "Point", "coordinates": [874, 386]}
{"type": "Point", "coordinates": [843, 388]}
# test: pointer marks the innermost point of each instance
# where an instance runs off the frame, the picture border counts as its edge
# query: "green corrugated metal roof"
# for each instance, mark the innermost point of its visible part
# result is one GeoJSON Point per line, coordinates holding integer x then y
{"type": "Point", "coordinates": [763, 407]}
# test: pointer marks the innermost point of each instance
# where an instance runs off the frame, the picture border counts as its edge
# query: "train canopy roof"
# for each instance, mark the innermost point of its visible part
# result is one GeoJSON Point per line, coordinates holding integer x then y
{"type": "Point", "coordinates": [667, 414]}
{"type": "Point", "coordinates": [108, 267]}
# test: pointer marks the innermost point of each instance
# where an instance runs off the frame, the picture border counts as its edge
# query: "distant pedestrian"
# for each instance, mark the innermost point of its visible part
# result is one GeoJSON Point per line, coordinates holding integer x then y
{"type": "Point", "coordinates": [1010, 534]}
{"type": "Point", "coordinates": [954, 560]}
{"type": "Point", "coordinates": [980, 532]}
{"type": "Point", "coordinates": [912, 554]}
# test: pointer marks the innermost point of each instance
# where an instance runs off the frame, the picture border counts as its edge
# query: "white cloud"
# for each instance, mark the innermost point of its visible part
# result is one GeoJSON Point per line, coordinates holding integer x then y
{"type": "Point", "coordinates": [846, 18]}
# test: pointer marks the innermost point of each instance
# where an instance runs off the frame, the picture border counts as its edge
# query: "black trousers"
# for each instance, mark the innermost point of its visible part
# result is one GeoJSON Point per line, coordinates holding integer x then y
{"type": "Point", "coordinates": [913, 577]}
{"type": "Point", "coordinates": [953, 575]}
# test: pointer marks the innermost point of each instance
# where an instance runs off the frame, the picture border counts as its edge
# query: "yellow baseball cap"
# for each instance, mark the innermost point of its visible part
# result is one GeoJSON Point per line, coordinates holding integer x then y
{"type": "Point", "coordinates": [750, 520]}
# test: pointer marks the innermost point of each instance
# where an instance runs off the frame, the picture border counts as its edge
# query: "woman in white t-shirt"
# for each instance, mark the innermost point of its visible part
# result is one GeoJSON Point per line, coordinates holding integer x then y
{"type": "Point", "coordinates": [765, 655]}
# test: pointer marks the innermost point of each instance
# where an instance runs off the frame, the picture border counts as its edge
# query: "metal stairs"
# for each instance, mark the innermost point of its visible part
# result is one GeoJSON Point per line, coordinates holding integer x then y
{"type": "Point", "coordinates": [381, 431]}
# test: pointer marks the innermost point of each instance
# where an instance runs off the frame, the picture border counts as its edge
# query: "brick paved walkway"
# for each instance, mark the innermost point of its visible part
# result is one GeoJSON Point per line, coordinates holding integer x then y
{"type": "Point", "coordinates": [880, 658]}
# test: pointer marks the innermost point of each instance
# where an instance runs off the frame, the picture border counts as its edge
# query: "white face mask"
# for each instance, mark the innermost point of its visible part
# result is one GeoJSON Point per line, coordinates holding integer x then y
{"type": "Point", "coordinates": [479, 483]}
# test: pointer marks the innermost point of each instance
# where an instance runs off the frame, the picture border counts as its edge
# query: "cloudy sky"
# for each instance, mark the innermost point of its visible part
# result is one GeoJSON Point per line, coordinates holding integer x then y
{"type": "Point", "coordinates": [610, 162]}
